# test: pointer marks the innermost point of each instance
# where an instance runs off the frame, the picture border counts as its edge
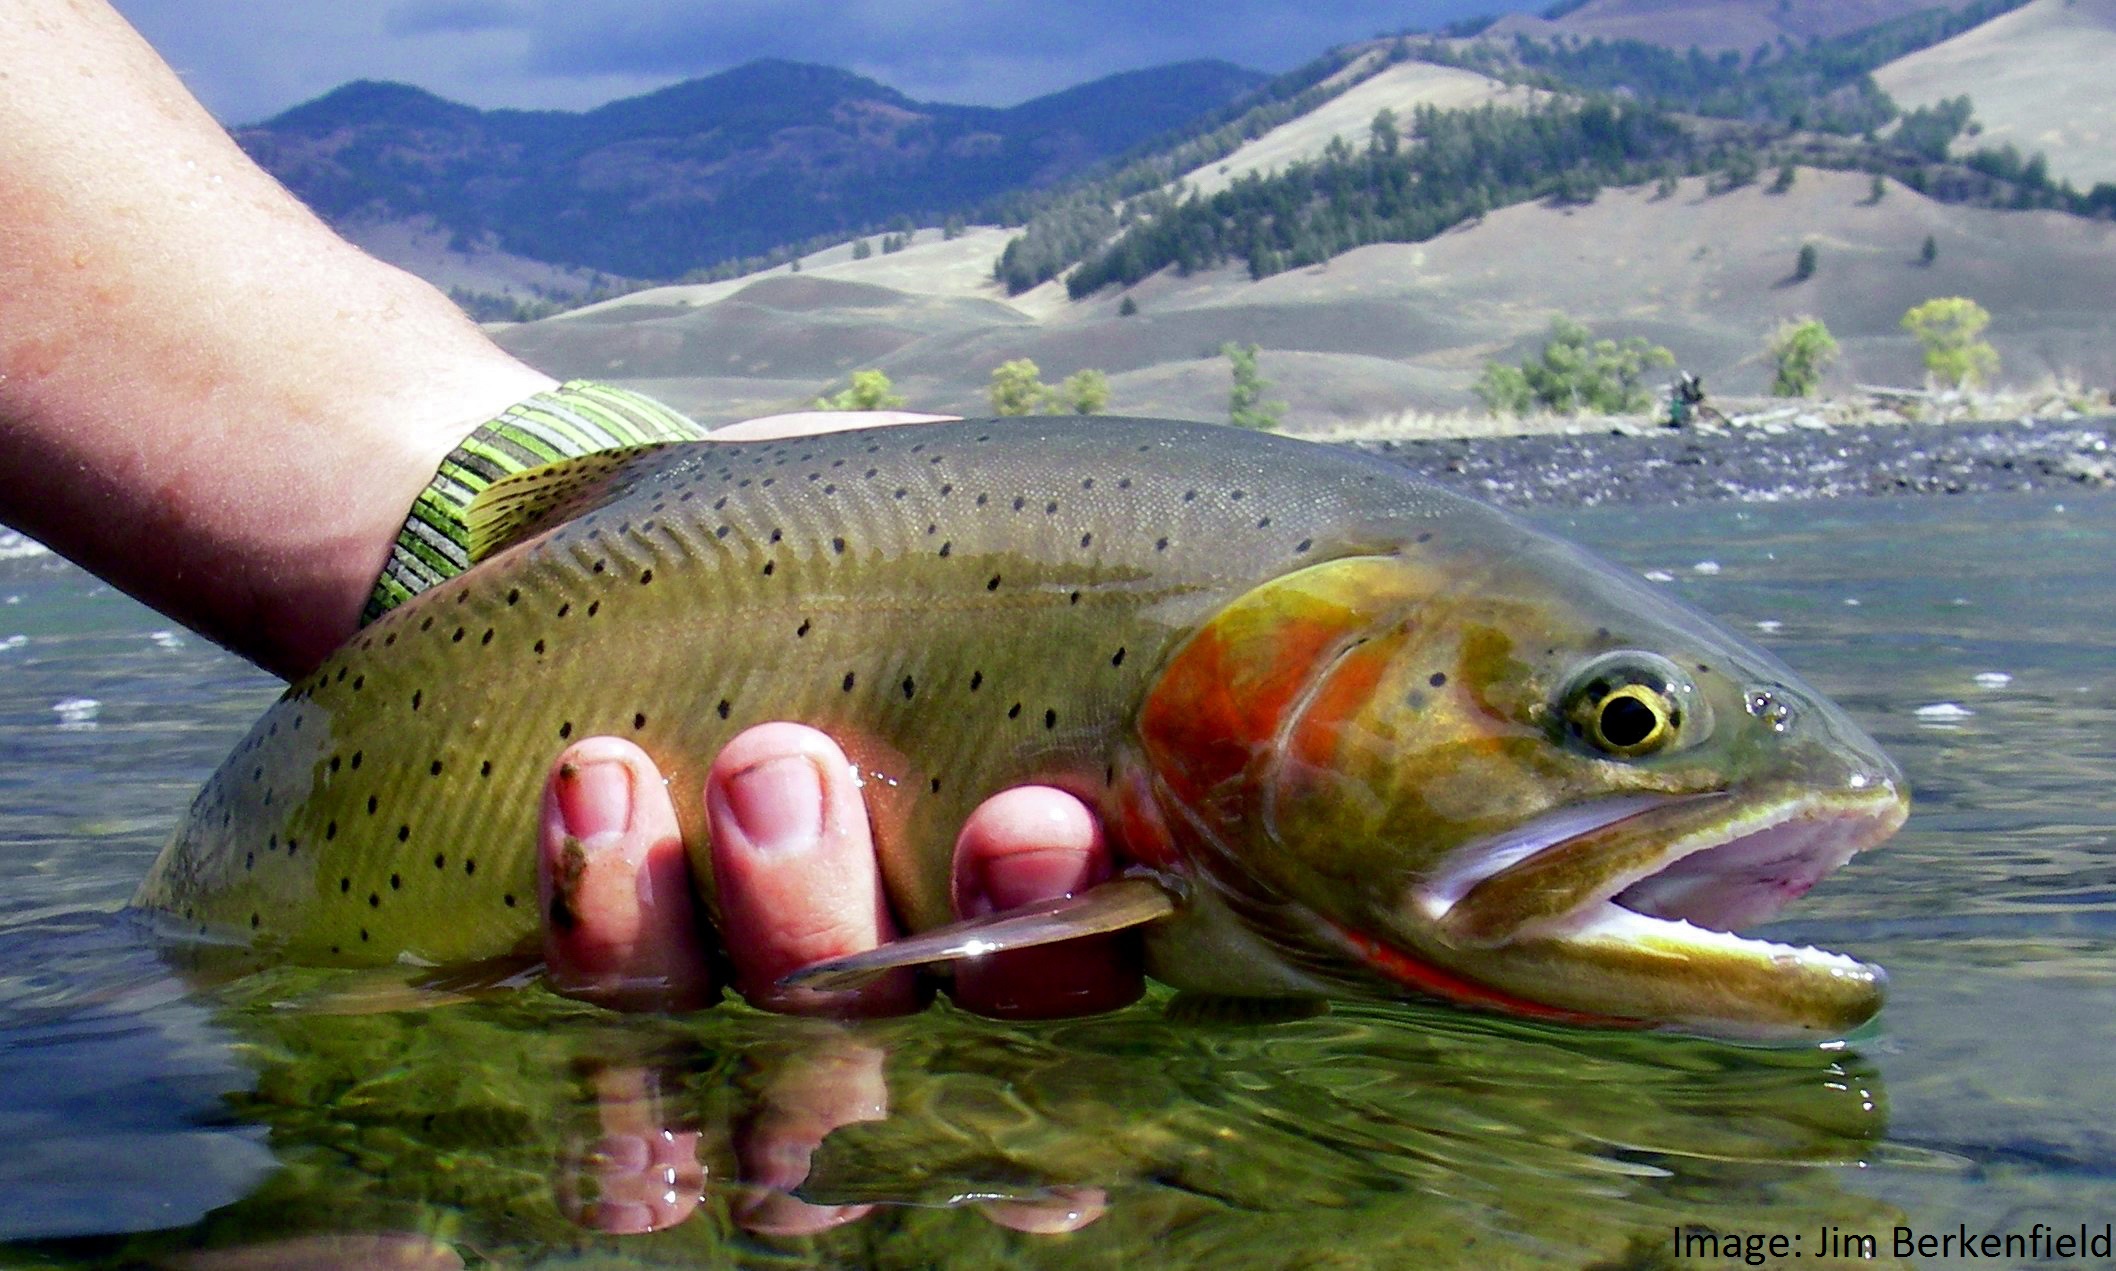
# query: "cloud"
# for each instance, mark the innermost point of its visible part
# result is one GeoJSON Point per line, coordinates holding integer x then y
{"type": "Point", "coordinates": [452, 17]}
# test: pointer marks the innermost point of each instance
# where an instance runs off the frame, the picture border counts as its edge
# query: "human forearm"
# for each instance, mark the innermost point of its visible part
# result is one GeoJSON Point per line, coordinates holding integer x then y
{"type": "Point", "coordinates": [206, 396]}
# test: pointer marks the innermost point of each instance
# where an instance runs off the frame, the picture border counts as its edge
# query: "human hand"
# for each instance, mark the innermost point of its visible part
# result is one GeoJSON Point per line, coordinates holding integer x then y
{"type": "Point", "coordinates": [797, 881]}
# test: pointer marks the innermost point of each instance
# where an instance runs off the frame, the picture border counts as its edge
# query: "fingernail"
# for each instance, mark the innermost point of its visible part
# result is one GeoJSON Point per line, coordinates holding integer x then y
{"type": "Point", "coordinates": [1009, 882]}
{"type": "Point", "coordinates": [778, 805]}
{"type": "Point", "coordinates": [595, 798]}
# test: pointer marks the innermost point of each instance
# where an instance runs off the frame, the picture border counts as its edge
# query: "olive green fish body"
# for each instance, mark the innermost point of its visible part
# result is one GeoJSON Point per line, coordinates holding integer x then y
{"type": "Point", "coordinates": [962, 606]}
{"type": "Point", "coordinates": [1380, 738]}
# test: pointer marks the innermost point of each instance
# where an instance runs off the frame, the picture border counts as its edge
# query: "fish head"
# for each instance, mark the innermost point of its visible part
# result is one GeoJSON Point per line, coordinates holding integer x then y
{"type": "Point", "coordinates": [1512, 776]}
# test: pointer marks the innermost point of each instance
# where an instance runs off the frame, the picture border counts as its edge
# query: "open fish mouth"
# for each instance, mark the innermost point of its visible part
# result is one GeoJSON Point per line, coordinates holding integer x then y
{"type": "Point", "coordinates": [1629, 908]}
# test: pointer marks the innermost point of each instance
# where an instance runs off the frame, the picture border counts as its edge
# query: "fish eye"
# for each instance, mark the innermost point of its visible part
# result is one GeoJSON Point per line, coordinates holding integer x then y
{"type": "Point", "coordinates": [1629, 705]}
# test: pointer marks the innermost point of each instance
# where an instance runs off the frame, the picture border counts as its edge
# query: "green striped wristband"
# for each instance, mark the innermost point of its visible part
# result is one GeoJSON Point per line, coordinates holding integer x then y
{"type": "Point", "coordinates": [576, 418]}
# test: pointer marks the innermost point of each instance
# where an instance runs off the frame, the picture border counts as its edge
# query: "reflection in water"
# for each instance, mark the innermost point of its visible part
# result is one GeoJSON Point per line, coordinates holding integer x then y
{"type": "Point", "coordinates": [522, 1124]}
{"type": "Point", "coordinates": [295, 1115]}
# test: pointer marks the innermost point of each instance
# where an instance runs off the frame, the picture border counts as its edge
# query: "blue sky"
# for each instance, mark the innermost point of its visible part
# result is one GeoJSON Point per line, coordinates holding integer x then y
{"type": "Point", "coordinates": [249, 59]}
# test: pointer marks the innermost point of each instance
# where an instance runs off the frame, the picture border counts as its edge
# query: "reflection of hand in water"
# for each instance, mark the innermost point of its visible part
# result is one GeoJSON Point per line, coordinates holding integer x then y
{"type": "Point", "coordinates": [642, 1173]}
{"type": "Point", "coordinates": [794, 866]}
{"type": "Point", "coordinates": [793, 860]}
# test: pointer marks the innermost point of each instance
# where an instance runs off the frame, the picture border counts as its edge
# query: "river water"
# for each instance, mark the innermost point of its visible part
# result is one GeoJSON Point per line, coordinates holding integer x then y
{"type": "Point", "coordinates": [149, 1115]}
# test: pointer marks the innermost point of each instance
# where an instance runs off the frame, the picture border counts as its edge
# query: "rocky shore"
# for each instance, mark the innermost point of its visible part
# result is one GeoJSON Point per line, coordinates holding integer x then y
{"type": "Point", "coordinates": [1664, 465]}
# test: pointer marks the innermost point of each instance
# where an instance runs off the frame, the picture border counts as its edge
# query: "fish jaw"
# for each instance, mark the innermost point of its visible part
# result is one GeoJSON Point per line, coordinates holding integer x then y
{"type": "Point", "coordinates": [1624, 913]}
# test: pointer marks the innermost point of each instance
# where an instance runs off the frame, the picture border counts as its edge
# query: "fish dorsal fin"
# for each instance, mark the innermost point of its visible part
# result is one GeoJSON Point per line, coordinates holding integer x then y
{"type": "Point", "coordinates": [1112, 906]}
{"type": "Point", "coordinates": [517, 508]}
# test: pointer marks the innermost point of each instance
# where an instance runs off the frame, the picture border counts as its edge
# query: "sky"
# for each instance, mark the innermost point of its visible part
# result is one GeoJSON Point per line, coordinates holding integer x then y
{"type": "Point", "coordinates": [250, 59]}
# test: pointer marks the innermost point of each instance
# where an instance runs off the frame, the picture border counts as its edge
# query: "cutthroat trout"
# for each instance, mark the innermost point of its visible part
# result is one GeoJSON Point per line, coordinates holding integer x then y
{"type": "Point", "coordinates": [1365, 735]}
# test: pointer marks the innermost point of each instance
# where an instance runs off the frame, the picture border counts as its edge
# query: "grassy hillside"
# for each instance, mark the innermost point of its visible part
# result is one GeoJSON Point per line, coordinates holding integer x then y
{"type": "Point", "coordinates": [2039, 78]}
{"type": "Point", "coordinates": [1740, 26]}
{"type": "Point", "coordinates": [1390, 327]}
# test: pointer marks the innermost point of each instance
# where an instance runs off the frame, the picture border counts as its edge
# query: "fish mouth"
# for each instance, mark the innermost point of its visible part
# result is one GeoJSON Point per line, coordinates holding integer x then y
{"type": "Point", "coordinates": [1627, 910]}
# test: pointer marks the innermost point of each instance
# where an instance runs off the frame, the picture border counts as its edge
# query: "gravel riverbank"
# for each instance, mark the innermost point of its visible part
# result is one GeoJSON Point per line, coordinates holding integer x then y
{"type": "Point", "coordinates": [1758, 465]}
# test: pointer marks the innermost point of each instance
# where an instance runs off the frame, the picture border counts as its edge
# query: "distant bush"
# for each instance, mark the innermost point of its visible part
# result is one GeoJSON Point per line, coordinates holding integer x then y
{"type": "Point", "coordinates": [1246, 407]}
{"type": "Point", "coordinates": [1800, 351]}
{"type": "Point", "coordinates": [1948, 328]}
{"type": "Point", "coordinates": [1017, 388]}
{"type": "Point", "coordinates": [871, 390]}
{"type": "Point", "coordinates": [1575, 372]}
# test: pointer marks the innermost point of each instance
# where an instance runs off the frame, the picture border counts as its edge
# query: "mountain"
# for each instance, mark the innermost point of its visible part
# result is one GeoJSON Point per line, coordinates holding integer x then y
{"type": "Point", "coordinates": [1737, 25]}
{"type": "Point", "coordinates": [2038, 78]}
{"type": "Point", "coordinates": [731, 165]}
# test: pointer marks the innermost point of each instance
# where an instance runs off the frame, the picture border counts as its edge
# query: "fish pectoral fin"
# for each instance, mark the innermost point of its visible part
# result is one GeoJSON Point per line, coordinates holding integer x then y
{"type": "Point", "coordinates": [518, 507]}
{"type": "Point", "coordinates": [1123, 902]}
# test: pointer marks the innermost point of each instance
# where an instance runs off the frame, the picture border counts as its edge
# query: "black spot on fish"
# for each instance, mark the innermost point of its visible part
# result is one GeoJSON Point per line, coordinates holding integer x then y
{"type": "Point", "coordinates": [1263, 523]}
{"type": "Point", "coordinates": [457, 638]}
{"type": "Point", "coordinates": [601, 565]}
{"type": "Point", "coordinates": [434, 768]}
{"type": "Point", "coordinates": [344, 885]}
{"type": "Point", "coordinates": [372, 804]}
{"type": "Point", "coordinates": [977, 679]}
{"type": "Point", "coordinates": [416, 696]}
{"type": "Point", "coordinates": [830, 489]}
{"type": "Point", "coordinates": [1425, 536]}
{"type": "Point", "coordinates": [1088, 484]}
{"type": "Point", "coordinates": [330, 831]}
{"type": "Point", "coordinates": [594, 607]}
{"type": "Point", "coordinates": [769, 567]}
{"type": "Point", "coordinates": [1190, 496]}
{"type": "Point", "coordinates": [440, 861]}
{"type": "Point", "coordinates": [487, 637]}
{"type": "Point", "coordinates": [934, 785]}
{"type": "Point", "coordinates": [1437, 679]}
{"type": "Point", "coordinates": [724, 709]}
{"type": "Point", "coordinates": [1014, 711]}
{"type": "Point", "coordinates": [360, 680]}
{"type": "Point", "coordinates": [424, 626]}
{"type": "Point", "coordinates": [1235, 495]}
{"type": "Point", "coordinates": [508, 899]}
{"type": "Point", "coordinates": [403, 834]}
{"type": "Point", "coordinates": [848, 682]}
{"type": "Point", "coordinates": [947, 488]}
{"type": "Point", "coordinates": [565, 730]}
{"type": "Point", "coordinates": [801, 630]}
{"type": "Point", "coordinates": [1020, 503]}
{"type": "Point", "coordinates": [909, 688]}
{"type": "Point", "coordinates": [293, 846]}
{"type": "Point", "coordinates": [946, 548]}
{"type": "Point", "coordinates": [777, 534]}
{"type": "Point", "coordinates": [1160, 544]}
{"type": "Point", "coordinates": [514, 595]}
{"type": "Point", "coordinates": [1086, 539]}
{"type": "Point", "coordinates": [646, 576]}
{"type": "Point", "coordinates": [363, 935]}
{"type": "Point", "coordinates": [1301, 548]}
{"type": "Point", "coordinates": [1050, 719]}
{"type": "Point", "coordinates": [983, 499]}
{"type": "Point", "coordinates": [565, 609]}
{"type": "Point", "coordinates": [1117, 658]}
{"type": "Point", "coordinates": [870, 473]}
{"type": "Point", "coordinates": [539, 648]}
{"type": "Point", "coordinates": [993, 585]}
{"type": "Point", "coordinates": [485, 768]}
{"type": "Point", "coordinates": [249, 861]}
{"type": "Point", "coordinates": [374, 900]}
{"type": "Point", "coordinates": [387, 641]}
{"type": "Point", "coordinates": [1073, 599]}
{"type": "Point", "coordinates": [1124, 483]}
{"type": "Point", "coordinates": [396, 882]}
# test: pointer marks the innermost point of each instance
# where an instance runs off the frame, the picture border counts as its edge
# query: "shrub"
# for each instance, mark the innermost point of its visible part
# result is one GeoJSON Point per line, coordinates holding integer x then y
{"type": "Point", "coordinates": [1575, 372]}
{"type": "Point", "coordinates": [1948, 328]}
{"type": "Point", "coordinates": [1800, 350]}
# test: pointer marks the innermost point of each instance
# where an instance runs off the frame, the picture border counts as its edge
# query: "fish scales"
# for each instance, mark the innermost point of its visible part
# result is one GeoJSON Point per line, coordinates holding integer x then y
{"type": "Point", "coordinates": [964, 607]}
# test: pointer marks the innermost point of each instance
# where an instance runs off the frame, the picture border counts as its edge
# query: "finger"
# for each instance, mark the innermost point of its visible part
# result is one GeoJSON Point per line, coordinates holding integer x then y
{"type": "Point", "coordinates": [613, 887]}
{"type": "Point", "coordinates": [641, 1174]}
{"type": "Point", "coordinates": [793, 860]}
{"type": "Point", "coordinates": [807, 423]}
{"type": "Point", "coordinates": [837, 1083]}
{"type": "Point", "coordinates": [1026, 844]}
{"type": "Point", "coordinates": [1068, 1209]}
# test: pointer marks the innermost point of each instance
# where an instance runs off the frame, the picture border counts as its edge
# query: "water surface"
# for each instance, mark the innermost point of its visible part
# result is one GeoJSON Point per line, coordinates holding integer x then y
{"type": "Point", "coordinates": [149, 1114]}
